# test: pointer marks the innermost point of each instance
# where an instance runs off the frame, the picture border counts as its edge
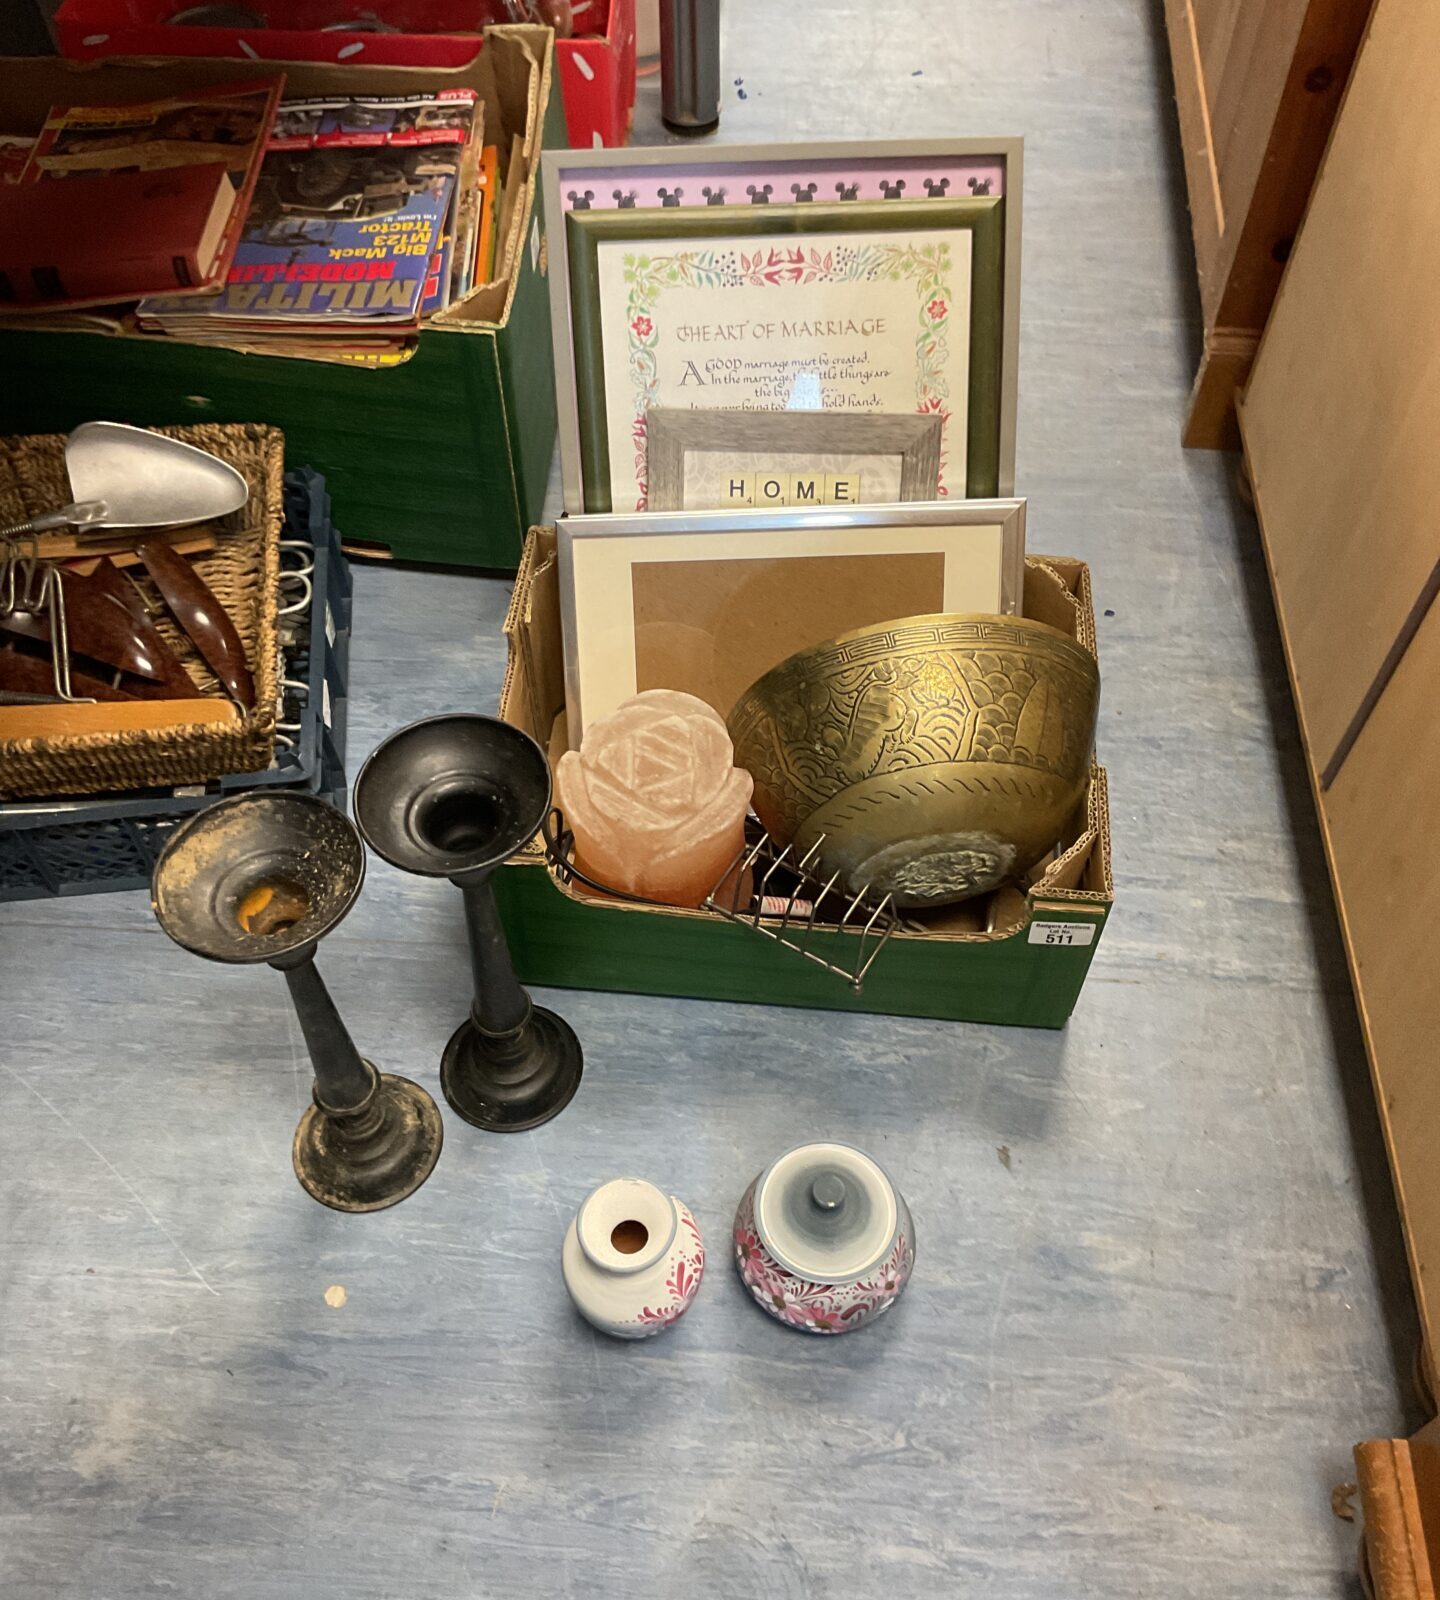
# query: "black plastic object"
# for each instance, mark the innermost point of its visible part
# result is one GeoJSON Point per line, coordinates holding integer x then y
{"type": "Point", "coordinates": [690, 65]}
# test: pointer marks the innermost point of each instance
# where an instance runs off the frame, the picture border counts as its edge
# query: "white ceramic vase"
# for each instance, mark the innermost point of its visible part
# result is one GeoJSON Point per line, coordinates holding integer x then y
{"type": "Point", "coordinates": [632, 1259]}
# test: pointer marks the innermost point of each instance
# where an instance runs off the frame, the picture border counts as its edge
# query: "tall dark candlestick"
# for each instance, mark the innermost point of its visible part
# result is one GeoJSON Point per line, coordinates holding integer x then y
{"type": "Point", "coordinates": [343, 1080]}
{"type": "Point", "coordinates": [262, 877]}
{"type": "Point", "coordinates": [455, 797]}
{"type": "Point", "coordinates": [501, 1005]}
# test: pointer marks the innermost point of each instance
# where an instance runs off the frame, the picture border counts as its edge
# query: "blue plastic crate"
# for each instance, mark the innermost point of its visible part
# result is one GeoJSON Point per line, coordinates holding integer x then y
{"type": "Point", "coordinates": [67, 847]}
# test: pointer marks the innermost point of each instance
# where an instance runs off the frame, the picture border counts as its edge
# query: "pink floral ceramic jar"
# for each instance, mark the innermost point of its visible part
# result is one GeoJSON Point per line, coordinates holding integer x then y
{"type": "Point", "coordinates": [823, 1239]}
{"type": "Point", "coordinates": [632, 1259]}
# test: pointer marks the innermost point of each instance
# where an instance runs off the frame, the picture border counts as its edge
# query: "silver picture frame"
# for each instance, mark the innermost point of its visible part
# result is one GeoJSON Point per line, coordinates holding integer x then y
{"type": "Point", "coordinates": [775, 533]}
{"type": "Point", "coordinates": [910, 439]}
{"type": "Point", "coordinates": [563, 170]}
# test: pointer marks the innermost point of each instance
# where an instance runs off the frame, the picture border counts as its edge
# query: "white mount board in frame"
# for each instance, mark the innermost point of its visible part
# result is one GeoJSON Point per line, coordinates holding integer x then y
{"type": "Point", "coordinates": [885, 569]}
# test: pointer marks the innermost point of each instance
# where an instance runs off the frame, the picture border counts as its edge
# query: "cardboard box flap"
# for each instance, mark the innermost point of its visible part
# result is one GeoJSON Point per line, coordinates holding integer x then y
{"type": "Point", "coordinates": [521, 69]}
{"type": "Point", "coordinates": [1057, 591]}
{"type": "Point", "coordinates": [533, 693]}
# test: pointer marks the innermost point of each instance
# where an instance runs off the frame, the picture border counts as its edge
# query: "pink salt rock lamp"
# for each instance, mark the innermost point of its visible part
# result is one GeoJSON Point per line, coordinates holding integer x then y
{"type": "Point", "coordinates": [654, 798]}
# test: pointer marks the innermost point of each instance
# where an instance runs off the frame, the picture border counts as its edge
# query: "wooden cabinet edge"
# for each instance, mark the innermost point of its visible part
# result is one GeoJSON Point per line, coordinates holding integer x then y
{"type": "Point", "coordinates": [1225, 364]}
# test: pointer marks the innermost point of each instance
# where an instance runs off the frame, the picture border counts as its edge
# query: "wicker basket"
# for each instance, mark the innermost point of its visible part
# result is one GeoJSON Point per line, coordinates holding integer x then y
{"type": "Point", "coordinates": [243, 571]}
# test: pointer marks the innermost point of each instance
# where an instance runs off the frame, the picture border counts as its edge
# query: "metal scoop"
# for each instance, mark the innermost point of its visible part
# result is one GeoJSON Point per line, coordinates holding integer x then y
{"type": "Point", "coordinates": [124, 477]}
{"type": "Point", "coordinates": [148, 481]}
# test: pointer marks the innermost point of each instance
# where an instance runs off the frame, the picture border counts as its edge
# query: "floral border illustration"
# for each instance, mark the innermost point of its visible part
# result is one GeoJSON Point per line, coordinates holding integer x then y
{"type": "Point", "coordinates": [816, 1307]}
{"type": "Point", "coordinates": [648, 276]}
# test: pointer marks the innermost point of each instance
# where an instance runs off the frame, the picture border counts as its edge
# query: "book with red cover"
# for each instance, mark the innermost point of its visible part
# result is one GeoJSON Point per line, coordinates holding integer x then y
{"type": "Point", "coordinates": [229, 123]}
{"type": "Point", "coordinates": [155, 233]}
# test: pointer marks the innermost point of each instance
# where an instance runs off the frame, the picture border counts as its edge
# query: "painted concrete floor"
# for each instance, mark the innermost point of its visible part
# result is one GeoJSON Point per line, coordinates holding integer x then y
{"type": "Point", "coordinates": [1133, 1360]}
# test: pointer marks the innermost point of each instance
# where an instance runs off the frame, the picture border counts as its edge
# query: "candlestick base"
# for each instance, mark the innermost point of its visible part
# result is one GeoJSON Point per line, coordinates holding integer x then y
{"type": "Point", "coordinates": [509, 1082]}
{"type": "Point", "coordinates": [373, 1157]}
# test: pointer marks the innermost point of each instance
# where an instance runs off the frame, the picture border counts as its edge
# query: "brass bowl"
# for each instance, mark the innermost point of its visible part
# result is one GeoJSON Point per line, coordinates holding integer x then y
{"type": "Point", "coordinates": [937, 756]}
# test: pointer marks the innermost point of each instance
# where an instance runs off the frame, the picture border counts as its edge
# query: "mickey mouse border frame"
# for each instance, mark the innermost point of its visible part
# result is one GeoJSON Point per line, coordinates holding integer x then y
{"type": "Point", "coordinates": [565, 169]}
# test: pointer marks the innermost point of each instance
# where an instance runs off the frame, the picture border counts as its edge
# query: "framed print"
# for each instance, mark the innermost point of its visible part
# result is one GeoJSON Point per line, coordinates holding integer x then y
{"type": "Point", "coordinates": [748, 192]}
{"type": "Point", "coordinates": [734, 460]}
{"type": "Point", "coordinates": [706, 602]}
{"type": "Point", "coordinates": [896, 307]}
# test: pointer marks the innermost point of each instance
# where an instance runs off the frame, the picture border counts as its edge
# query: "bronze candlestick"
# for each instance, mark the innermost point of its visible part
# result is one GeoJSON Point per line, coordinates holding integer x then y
{"type": "Point", "coordinates": [454, 797]}
{"type": "Point", "coordinates": [263, 877]}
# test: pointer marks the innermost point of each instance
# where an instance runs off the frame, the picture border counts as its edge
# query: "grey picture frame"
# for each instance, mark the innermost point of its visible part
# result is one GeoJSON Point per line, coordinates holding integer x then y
{"type": "Point", "coordinates": [672, 435]}
{"type": "Point", "coordinates": [801, 529]}
{"type": "Point", "coordinates": [562, 167]}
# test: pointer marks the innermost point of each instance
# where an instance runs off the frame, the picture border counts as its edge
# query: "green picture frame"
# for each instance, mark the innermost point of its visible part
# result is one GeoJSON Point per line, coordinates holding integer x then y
{"type": "Point", "coordinates": [982, 218]}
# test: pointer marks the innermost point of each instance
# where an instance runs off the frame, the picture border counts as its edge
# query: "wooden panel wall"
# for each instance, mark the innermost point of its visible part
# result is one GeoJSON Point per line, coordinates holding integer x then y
{"type": "Point", "coordinates": [1341, 422]}
{"type": "Point", "coordinates": [1342, 413]}
{"type": "Point", "coordinates": [1382, 819]}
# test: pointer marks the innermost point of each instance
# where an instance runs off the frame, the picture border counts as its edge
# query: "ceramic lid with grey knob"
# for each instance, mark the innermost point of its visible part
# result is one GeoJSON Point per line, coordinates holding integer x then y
{"type": "Point", "coordinates": [823, 1239]}
{"type": "Point", "coordinates": [826, 1212]}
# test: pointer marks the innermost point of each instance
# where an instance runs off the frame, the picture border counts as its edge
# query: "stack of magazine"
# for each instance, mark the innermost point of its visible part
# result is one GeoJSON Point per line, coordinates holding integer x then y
{"type": "Point", "coordinates": [369, 214]}
{"type": "Point", "coordinates": [324, 228]}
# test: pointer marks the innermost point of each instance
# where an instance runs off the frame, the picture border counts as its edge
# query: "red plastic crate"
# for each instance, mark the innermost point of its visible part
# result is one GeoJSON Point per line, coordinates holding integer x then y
{"type": "Point", "coordinates": [443, 31]}
{"type": "Point", "coordinates": [597, 73]}
{"type": "Point", "coordinates": [596, 68]}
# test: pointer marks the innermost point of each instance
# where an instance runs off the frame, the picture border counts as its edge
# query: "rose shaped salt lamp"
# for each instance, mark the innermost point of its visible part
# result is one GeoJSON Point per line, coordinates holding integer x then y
{"type": "Point", "coordinates": [823, 1240]}
{"type": "Point", "coordinates": [654, 798]}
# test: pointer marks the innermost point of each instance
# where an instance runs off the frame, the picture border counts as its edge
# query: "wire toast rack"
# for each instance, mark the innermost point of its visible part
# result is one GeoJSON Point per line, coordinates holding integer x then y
{"type": "Point", "coordinates": [775, 892]}
{"type": "Point", "coordinates": [31, 585]}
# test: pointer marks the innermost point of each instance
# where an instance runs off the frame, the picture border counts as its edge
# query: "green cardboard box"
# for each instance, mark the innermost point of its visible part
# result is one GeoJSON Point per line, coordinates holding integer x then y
{"type": "Point", "coordinates": [1020, 958]}
{"type": "Point", "coordinates": [444, 458]}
